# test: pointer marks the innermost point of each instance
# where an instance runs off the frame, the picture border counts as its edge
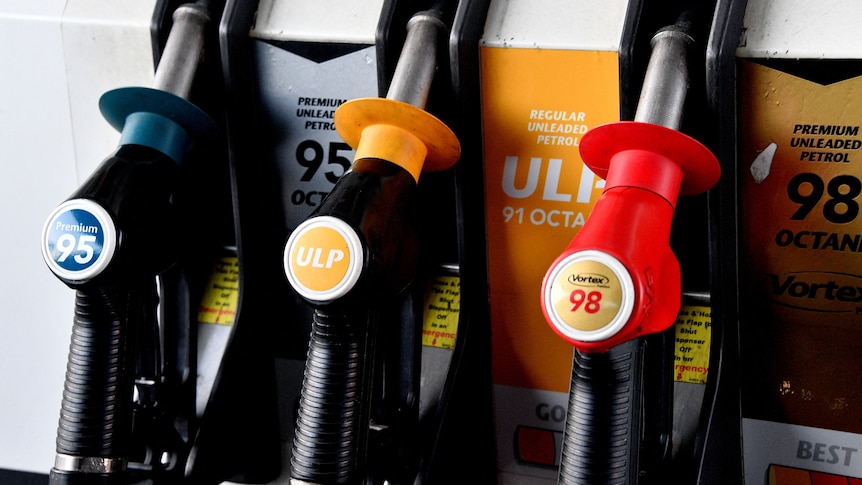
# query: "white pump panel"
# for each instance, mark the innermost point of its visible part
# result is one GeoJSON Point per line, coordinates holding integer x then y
{"type": "Point", "coordinates": [796, 29]}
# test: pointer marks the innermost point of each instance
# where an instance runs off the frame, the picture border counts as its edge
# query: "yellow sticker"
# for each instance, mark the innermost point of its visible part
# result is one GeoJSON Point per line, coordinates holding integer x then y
{"type": "Point", "coordinates": [219, 301]}
{"type": "Point", "coordinates": [693, 331]}
{"type": "Point", "coordinates": [442, 307]}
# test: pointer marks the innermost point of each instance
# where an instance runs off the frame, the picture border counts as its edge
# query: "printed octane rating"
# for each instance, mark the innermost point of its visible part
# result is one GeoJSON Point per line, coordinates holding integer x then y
{"type": "Point", "coordinates": [78, 240]}
{"type": "Point", "coordinates": [517, 187]}
{"type": "Point", "coordinates": [840, 207]}
{"type": "Point", "coordinates": [313, 157]}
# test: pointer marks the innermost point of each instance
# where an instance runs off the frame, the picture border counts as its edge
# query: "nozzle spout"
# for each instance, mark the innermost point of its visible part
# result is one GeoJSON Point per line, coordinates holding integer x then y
{"type": "Point", "coordinates": [417, 63]}
{"type": "Point", "coordinates": [666, 81]}
{"type": "Point", "coordinates": [184, 50]}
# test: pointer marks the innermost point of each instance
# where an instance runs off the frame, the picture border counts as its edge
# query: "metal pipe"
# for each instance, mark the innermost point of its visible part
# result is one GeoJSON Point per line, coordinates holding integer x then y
{"type": "Point", "coordinates": [666, 81]}
{"type": "Point", "coordinates": [417, 63]}
{"type": "Point", "coordinates": [184, 50]}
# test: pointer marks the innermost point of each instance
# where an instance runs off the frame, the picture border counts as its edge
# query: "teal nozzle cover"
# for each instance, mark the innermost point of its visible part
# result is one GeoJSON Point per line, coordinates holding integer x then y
{"type": "Point", "coordinates": [157, 132]}
{"type": "Point", "coordinates": [155, 118]}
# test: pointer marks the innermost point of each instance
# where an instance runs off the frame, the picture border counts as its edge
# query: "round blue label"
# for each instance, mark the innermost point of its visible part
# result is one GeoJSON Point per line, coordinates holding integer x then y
{"type": "Point", "coordinates": [78, 240]}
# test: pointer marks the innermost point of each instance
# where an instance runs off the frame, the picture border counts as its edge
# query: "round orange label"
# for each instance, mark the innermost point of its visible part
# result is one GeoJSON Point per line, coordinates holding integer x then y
{"type": "Point", "coordinates": [589, 296]}
{"type": "Point", "coordinates": [323, 258]}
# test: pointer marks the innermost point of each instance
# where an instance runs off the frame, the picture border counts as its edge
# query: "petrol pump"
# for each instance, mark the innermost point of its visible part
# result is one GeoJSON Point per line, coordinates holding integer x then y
{"type": "Point", "coordinates": [327, 251]}
{"type": "Point", "coordinates": [293, 69]}
{"type": "Point", "coordinates": [137, 243]}
{"type": "Point", "coordinates": [286, 67]}
{"type": "Point", "coordinates": [547, 82]}
{"type": "Point", "coordinates": [549, 71]}
{"type": "Point", "coordinates": [798, 190]}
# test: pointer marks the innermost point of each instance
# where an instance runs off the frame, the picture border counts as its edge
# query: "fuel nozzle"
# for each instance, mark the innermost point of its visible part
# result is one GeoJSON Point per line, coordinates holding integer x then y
{"type": "Point", "coordinates": [618, 278]}
{"type": "Point", "coordinates": [395, 141]}
{"type": "Point", "coordinates": [109, 241]}
{"type": "Point", "coordinates": [125, 202]}
{"type": "Point", "coordinates": [357, 251]}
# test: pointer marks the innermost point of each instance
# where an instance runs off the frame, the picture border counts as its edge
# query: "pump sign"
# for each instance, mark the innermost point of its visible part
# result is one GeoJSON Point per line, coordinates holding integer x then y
{"type": "Point", "coordinates": [801, 238]}
{"type": "Point", "coordinates": [79, 240]}
{"type": "Point", "coordinates": [309, 153]}
{"type": "Point", "coordinates": [537, 104]}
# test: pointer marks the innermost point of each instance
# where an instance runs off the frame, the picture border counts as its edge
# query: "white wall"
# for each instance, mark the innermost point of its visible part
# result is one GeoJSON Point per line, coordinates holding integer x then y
{"type": "Point", "coordinates": [57, 57]}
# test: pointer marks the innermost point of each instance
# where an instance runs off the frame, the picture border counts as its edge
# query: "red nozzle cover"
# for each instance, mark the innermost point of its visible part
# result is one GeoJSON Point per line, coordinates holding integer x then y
{"type": "Point", "coordinates": [618, 278]}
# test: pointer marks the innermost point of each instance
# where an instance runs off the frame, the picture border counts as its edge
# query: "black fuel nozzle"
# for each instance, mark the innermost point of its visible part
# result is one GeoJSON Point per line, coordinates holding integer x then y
{"type": "Point", "coordinates": [109, 241]}
{"type": "Point", "coordinates": [120, 221]}
{"type": "Point", "coordinates": [358, 250]}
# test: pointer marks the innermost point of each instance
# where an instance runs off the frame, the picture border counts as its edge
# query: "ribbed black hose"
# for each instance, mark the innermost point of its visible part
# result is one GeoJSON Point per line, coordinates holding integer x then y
{"type": "Point", "coordinates": [329, 425]}
{"type": "Point", "coordinates": [602, 435]}
{"type": "Point", "coordinates": [95, 415]}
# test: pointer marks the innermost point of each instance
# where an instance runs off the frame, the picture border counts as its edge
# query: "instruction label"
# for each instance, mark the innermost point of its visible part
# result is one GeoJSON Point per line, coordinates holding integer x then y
{"type": "Point", "coordinates": [442, 309]}
{"type": "Point", "coordinates": [800, 243]}
{"type": "Point", "coordinates": [219, 301]}
{"type": "Point", "coordinates": [536, 106]}
{"type": "Point", "coordinates": [693, 330]}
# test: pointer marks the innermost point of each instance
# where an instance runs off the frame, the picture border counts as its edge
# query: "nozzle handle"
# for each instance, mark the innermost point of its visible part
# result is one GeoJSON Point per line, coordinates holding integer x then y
{"type": "Point", "coordinates": [601, 444]}
{"type": "Point", "coordinates": [332, 409]}
{"type": "Point", "coordinates": [95, 417]}
{"type": "Point", "coordinates": [357, 250]}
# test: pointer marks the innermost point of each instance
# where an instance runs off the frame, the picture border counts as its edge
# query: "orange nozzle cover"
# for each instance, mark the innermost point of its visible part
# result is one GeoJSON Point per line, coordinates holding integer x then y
{"type": "Point", "coordinates": [406, 124]}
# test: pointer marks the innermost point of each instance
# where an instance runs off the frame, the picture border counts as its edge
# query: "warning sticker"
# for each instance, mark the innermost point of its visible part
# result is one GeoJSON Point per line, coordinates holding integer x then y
{"type": "Point", "coordinates": [691, 354]}
{"type": "Point", "coordinates": [442, 307]}
{"type": "Point", "coordinates": [218, 304]}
